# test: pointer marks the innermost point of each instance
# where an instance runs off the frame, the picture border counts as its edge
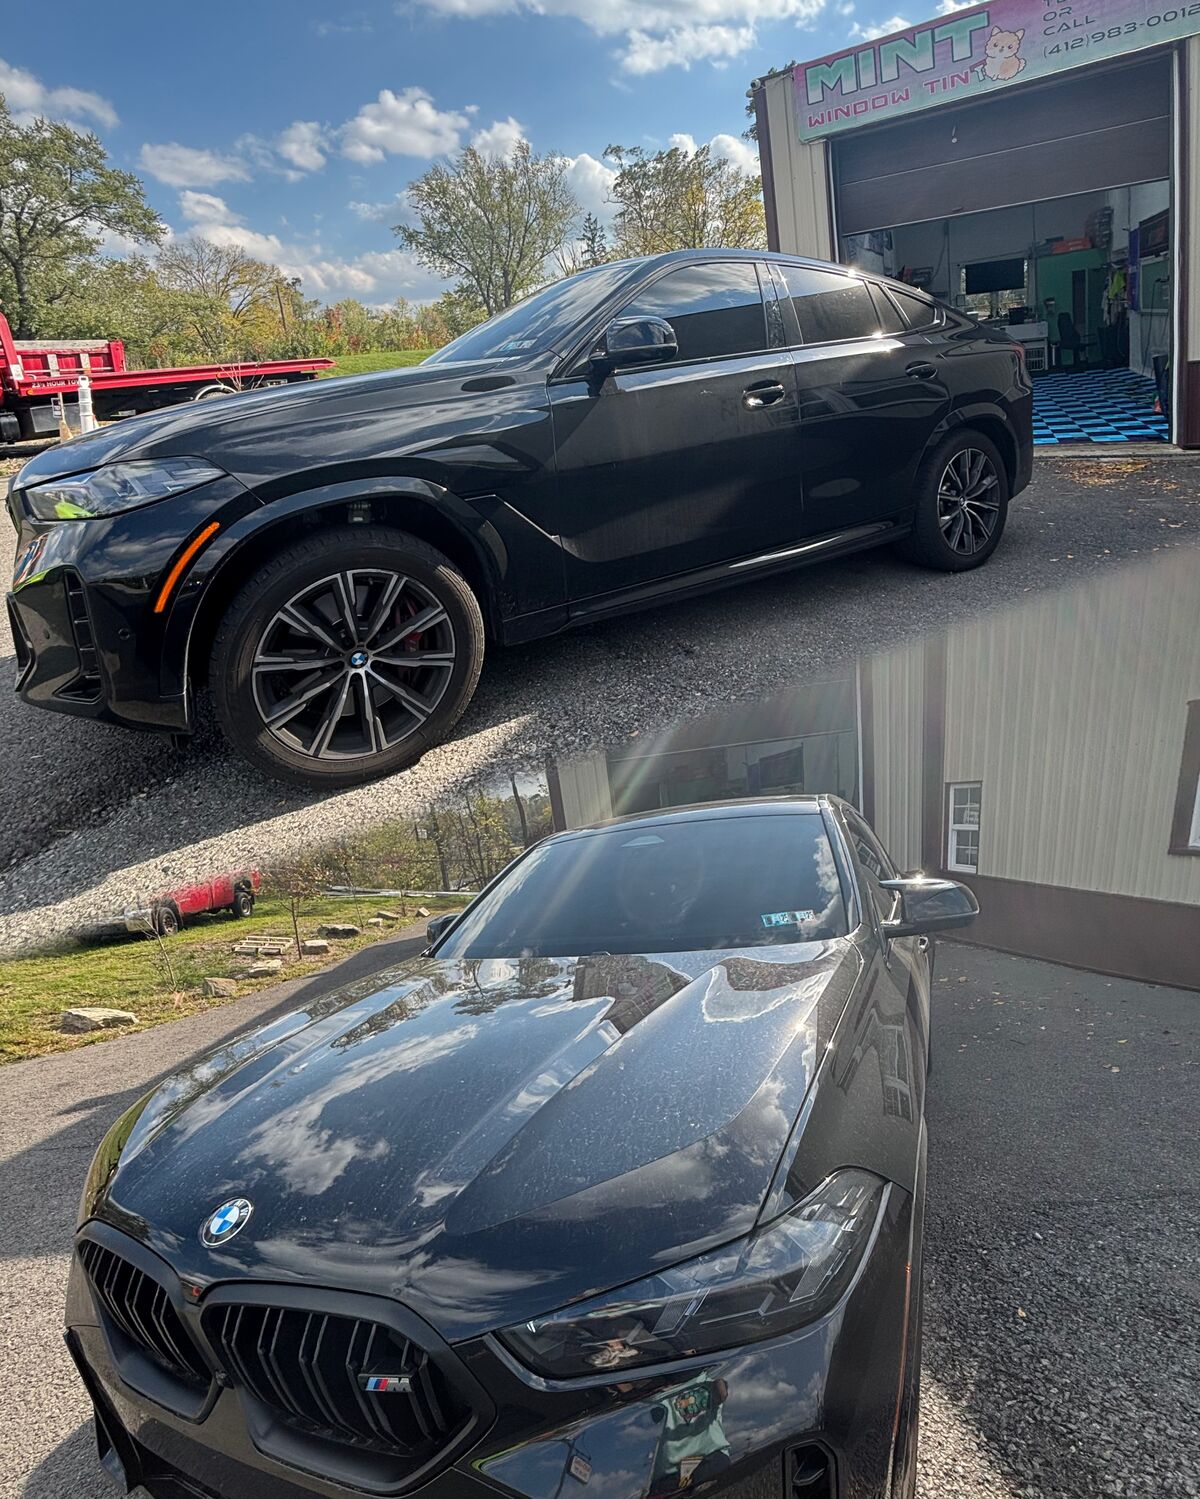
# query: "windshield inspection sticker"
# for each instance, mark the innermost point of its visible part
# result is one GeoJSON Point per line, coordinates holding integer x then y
{"type": "Point", "coordinates": [786, 918]}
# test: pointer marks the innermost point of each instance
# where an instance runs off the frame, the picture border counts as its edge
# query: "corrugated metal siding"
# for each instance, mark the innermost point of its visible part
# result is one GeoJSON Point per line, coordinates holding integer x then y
{"type": "Point", "coordinates": [897, 695]}
{"type": "Point", "coordinates": [801, 176]}
{"type": "Point", "coordinates": [1071, 712]}
{"type": "Point", "coordinates": [583, 783]}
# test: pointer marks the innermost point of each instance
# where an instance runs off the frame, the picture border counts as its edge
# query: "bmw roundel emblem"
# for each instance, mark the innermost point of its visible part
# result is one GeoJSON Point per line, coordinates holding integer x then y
{"type": "Point", "coordinates": [229, 1219]}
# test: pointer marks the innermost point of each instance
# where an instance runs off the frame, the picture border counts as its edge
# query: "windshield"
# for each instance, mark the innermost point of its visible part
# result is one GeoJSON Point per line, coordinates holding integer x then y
{"type": "Point", "coordinates": [688, 886]}
{"type": "Point", "coordinates": [539, 322]}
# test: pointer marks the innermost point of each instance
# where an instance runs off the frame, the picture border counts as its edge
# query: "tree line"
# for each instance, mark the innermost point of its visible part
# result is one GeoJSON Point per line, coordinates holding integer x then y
{"type": "Point", "coordinates": [497, 227]}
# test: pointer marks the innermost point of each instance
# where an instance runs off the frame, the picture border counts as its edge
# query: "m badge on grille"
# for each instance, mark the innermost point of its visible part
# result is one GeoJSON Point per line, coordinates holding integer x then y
{"type": "Point", "coordinates": [385, 1384]}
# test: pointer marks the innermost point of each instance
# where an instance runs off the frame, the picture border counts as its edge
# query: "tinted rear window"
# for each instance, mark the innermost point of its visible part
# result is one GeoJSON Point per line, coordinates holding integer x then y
{"type": "Point", "coordinates": [830, 307]}
{"type": "Point", "coordinates": [688, 886]}
{"type": "Point", "coordinates": [918, 313]}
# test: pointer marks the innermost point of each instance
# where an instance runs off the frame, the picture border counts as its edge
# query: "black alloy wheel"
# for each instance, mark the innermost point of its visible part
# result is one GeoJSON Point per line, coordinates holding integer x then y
{"type": "Point", "coordinates": [347, 656]}
{"type": "Point", "coordinates": [961, 504]}
{"type": "Point", "coordinates": [968, 501]}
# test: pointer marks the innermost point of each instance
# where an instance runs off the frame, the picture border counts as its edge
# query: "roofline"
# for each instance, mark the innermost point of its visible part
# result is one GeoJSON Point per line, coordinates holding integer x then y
{"type": "Point", "coordinates": [804, 803]}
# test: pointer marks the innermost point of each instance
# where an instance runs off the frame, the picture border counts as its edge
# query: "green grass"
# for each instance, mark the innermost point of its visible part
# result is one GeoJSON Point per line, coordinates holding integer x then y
{"type": "Point", "coordinates": [133, 974]}
{"type": "Point", "coordinates": [367, 364]}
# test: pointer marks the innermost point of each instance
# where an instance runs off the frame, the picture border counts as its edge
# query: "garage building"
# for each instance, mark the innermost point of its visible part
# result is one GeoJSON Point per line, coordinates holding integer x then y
{"type": "Point", "coordinates": [1034, 165]}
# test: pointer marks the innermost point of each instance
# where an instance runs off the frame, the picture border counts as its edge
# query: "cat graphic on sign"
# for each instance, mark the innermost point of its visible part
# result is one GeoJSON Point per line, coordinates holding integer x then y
{"type": "Point", "coordinates": [1003, 60]}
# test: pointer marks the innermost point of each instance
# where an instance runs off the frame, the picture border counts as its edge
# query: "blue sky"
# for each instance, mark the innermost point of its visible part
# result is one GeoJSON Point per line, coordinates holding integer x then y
{"type": "Point", "coordinates": [291, 127]}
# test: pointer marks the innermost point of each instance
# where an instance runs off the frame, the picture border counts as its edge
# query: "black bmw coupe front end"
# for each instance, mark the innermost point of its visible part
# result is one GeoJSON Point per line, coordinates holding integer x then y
{"type": "Point", "coordinates": [616, 1190]}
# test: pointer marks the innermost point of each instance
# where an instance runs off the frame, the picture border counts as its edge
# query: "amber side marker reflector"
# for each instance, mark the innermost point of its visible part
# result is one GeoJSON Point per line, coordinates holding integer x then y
{"type": "Point", "coordinates": [181, 564]}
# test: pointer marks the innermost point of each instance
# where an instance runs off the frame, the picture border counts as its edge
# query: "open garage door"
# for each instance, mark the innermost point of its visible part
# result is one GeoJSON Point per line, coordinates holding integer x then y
{"type": "Point", "coordinates": [1073, 134]}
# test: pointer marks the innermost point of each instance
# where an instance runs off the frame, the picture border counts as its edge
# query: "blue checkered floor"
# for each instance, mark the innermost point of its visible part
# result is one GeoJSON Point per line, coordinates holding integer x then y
{"type": "Point", "coordinates": [1096, 406]}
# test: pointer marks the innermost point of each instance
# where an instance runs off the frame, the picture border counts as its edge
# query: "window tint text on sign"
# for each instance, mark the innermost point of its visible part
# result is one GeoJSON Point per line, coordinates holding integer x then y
{"type": "Point", "coordinates": [972, 53]}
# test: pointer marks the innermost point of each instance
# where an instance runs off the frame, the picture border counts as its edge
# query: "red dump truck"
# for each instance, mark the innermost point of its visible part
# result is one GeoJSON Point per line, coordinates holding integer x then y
{"type": "Point", "coordinates": [34, 372]}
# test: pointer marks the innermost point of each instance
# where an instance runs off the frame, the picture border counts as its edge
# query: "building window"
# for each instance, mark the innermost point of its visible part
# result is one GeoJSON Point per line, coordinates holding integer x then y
{"type": "Point", "coordinates": [962, 850]}
{"type": "Point", "coordinates": [1185, 824]}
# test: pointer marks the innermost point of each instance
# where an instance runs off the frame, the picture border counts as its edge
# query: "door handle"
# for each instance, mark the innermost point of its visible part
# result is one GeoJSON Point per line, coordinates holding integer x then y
{"type": "Point", "coordinates": [769, 393]}
{"type": "Point", "coordinates": [921, 370]}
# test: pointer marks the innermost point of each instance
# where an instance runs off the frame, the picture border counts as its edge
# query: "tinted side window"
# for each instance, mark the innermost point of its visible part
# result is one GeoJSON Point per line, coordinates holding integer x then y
{"type": "Point", "coordinates": [830, 307]}
{"type": "Point", "coordinates": [715, 309]}
{"type": "Point", "coordinates": [889, 319]}
{"type": "Point", "coordinates": [918, 313]}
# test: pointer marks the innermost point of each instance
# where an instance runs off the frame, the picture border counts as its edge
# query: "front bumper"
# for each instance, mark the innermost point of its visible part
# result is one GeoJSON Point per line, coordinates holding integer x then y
{"type": "Point", "coordinates": [827, 1396]}
{"type": "Point", "coordinates": [81, 608]}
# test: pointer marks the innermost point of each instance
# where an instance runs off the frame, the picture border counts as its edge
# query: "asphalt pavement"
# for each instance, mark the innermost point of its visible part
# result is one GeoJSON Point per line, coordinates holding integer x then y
{"type": "Point", "coordinates": [1061, 1349]}
{"type": "Point", "coordinates": [92, 817]}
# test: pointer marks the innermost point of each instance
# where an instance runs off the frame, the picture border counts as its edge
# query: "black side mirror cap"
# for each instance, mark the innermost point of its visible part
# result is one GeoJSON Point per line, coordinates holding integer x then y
{"type": "Point", "coordinates": [634, 341]}
{"type": "Point", "coordinates": [928, 905]}
{"type": "Point", "coordinates": [439, 925]}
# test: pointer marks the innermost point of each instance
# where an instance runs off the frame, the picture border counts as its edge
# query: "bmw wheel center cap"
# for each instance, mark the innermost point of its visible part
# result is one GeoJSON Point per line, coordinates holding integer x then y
{"type": "Point", "coordinates": [229, 1219]}
{"type": "Point", "coordinates": [358, 659]}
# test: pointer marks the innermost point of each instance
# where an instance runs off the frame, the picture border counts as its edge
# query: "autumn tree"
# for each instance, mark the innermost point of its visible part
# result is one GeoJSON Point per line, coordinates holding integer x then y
{"type": "Point", "coordinates": [683, 200]}
{"type": "Point", "coordinates": [58, 198]}
{"type": "Point", "coordinates": [231, 303]}
{"type": "Point", "coordinates": [491, 222]}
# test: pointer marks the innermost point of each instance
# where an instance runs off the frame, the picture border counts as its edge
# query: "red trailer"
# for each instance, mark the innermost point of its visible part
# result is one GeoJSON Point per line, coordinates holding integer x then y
{"type": "Point", "coordinates": [34, 371]}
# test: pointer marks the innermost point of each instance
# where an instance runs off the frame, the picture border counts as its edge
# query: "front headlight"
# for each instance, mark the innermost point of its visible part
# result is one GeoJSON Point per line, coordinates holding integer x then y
{"type": "Point", "coordinates": [116, 487]}
{"type": "Point", "coordinates": [791, 1272]}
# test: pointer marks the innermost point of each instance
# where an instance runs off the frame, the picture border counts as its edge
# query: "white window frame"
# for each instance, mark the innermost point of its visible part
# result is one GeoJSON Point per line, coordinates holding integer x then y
{"type": "Point", "coordinates": [953, 828]}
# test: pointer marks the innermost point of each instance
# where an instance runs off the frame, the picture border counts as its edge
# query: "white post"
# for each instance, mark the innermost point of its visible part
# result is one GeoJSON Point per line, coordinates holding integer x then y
{"type": "Point", "coordinates": [87, 418]}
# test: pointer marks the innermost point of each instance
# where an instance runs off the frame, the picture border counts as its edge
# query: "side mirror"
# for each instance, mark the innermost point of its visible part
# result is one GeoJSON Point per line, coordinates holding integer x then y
{"type": "Point", "coordinates": [438, 925]}
{"type": "Point", "coordinates": [635, 340]}
{"type": "Point", "coordinates": [929, 906]}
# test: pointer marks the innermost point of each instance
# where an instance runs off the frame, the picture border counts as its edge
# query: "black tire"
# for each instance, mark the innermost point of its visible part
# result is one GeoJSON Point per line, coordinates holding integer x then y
{"type": "Point", "coordinates": [166, 920]}
{"type": "Point", "coordinates": [400, 723]}
{"type": "Point", "coordinates": [934, 515]}
{"type": "Point", "coordinates": [243, 903]}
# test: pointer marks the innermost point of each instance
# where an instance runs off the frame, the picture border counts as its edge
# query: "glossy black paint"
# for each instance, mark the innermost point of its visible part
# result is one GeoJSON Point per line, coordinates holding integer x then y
{"type": "Point", "coordinates": [562, 486]}
{"type": "Point", "coordinates": [479, 1141]}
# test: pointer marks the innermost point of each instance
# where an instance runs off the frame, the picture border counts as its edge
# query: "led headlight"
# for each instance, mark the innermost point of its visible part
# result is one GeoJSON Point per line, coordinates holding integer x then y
{"type": "Point", "coordinates": [116, 487]}
{"type": "Point", "coordinates": [791, 1272]}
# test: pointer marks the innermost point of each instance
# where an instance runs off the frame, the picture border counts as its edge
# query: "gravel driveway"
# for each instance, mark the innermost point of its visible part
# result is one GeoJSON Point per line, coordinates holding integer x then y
{"type": "Point", "coordinates": [92, 816]}
{"type": "Point", "coordinates": [1061, 1350]}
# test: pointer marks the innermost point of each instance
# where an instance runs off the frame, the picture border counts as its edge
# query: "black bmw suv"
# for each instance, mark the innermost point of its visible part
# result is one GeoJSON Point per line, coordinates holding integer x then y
{"type": "Point", "coordinates": [333, 561]}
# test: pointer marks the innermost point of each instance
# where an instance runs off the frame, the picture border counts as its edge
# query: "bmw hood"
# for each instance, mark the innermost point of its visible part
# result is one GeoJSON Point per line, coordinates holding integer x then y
{"type": "Point", "coordinates": [206, 429]}
{"type": "Point", "coordinates": [485, 1140]}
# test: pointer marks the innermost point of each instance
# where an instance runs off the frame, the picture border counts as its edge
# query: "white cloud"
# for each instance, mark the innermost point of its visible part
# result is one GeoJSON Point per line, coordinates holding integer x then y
{"type": "Point", "coordinates": [390, 212]}
{"type": "Point", "coordinates": [403, 124]}
{"type": "Point", "coordinates": [28, 98]}
{"type": "Point", "coordinates": [656, 34]}
{"type": "Point", "coordinates": [206, 208]}
{"type": "Point", "coordinates": [948, 7]}
{"type": "Point", "coordinates": [381, 274]}
{"type": "Point", "coordinates": [186, 166]}
{"type": "Point", "coordinates": [303, 144]}
{"type": "Point", "coordinates": [741, 153]}
{"type": "Point", "coordinates": [591, 181]}
{"type": "Point", "coordinates": [501, 137]}
{"type": "Point", "coordinates": [681, 46]}
{"type": "Point", "coordinates": [884, 28]}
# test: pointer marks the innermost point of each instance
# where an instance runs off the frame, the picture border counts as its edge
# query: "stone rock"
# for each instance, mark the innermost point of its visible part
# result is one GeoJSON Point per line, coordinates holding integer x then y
{"type": "Point", "coordinates": [339, 931]}
{"type": "Point", "coordinates": [264, 968]}
{"type": "Point", "coordinates": [94, 1018]}
{"type": "Point", "coordinates": [422, 911]}
{"type": "Point", "coordinates": [313, 946]}
{"type": "Point", "coordinates": [220, 988]}
{"type": "Point", "coordinates": [246, 950]}
{"type": "Point", "coordinates": [376, 921]}
{"type": "Point", "coordinates": [387, 916]}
